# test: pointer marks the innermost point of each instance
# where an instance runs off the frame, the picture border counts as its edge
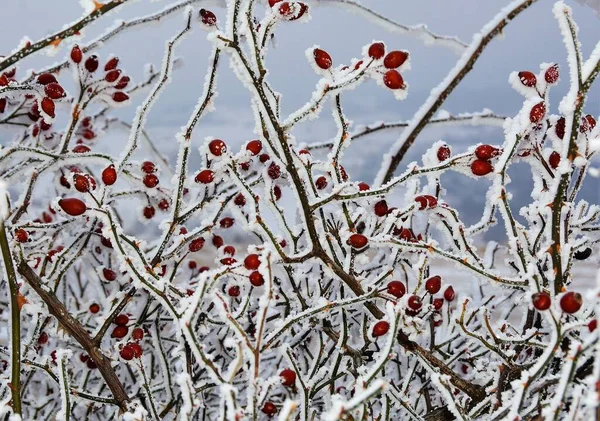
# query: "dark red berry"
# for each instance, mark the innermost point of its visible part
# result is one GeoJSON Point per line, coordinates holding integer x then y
{"type": "Point", "coordinates": [94, 308]}
{"type": "Point", "coordinates": [111, 64]}
{"type": "Point", "coordinates": [205, 177]}
{"type": "Point", "coordinates": [554, 159]}
{"type": "Point", "coordinates": [81, 149]}
{"type": "Point", "coordinates": [395, 59]}
{"type": "Point", "coordinates": [123, 82]}
{"type": "Point", "coordinates": [363, 186]}
{"type": "Point", "coordinates": [163, 204]}
{"type": "Point", "coordinates": [109, 275]}
{"type": "Point", "coordinates": [357, 241]}
{"type": "Point", "coordinates": [137, 334]}
{"type": "Point", "coordinates": [380, 328]}
{"type": "Point", "coordinates": [109, 175]}
{"type": "Point", "coordinates": [91, 64]}
{"type": "Point", "coordinates": [443, 153]}
{"type": "Point", "coordinates": [252, 262]}
{"type": "Point", "coordinates": [433, 284]}
{"type": "Point", "coordinates": [112, 76]}
{"type": "Point", "coordinates": [277, 192]}
{"type": "Point", "coordinates": [396, 288]}
{"type": "Point", "coordinates": [217, 147]}
{"type": "Point", "coordinates": [381, 208]}
{"type": "Point", "coordinates": [47, 105]}
{"type": "Point", "coordinates": [121, 320]}
{"type": "Point", "coordinates": [288, 377]}
{"type": "Point", "coordinates": [239, 199]}
{"type": "Point", "coordinates": [76, 54]}
{"type": "Point", "coordinates": [321, 182]}
{"type": "Point", "coordinates": [560, 128]}
{"type": "Point", "coordinates": [376, 50]}
{"type": "Point", "coordinates": [72, 206]}
{"type": "Point", "coordinates": [571, 302]}
{"type": "Point", "coordinates": [208, 18]}
{"type": "Point", "coordinates": [486, 152]}
{"type": "Point", "coordinates": [81, 183]}
{"type": "Point", "coordinates": [527, 78]}
{"type": "Point", "coordinates": [234, 291]}
{"type": "Point", "coordinates": [43, 338]}
{"type": "Point", "coordinates": [217, 241]}
{"type": "Point", "coordinates": [552, 74]}
{"type": "Point", "coordinates": [537, 113]}
{"type": "Point", "coordinates": [254, 147]}
{"type": "Point", "coordinates": [438, 303]}
{"type": "Point", "coordinates": [274, 171]}
{"type": "Point", "coordinates": [196, 245]}
{"type": "Point", "coordinates": [21, 235]}
{"type": "Point", "coordinates": [592, 325]}
{"type": "Point", "coordinates": [541, 301]}
{"type": "Point", "coordinates": [393, 79]}
{"type": "Point", "coordinates": [256, 279]}
{"type": "Point", "coordinates": [149, 212]}
{"type": "Point", "coordinates": [119, 332]}
{"type": "Point", "coordinates": [151, 180]}
{"type": "Point", "coordinates": [322, 58]}
{"type": "Point", "coordinates": [449, 294]}
{"type": "Point", "coordinates": [269, 408]}
{"type": "Point", "coordinates": [414, 302]}
{"type": "Point", "coordinates": [481, 167]}
{"type": "Point", "coordinates": [120, 96]}
{"type": "Point", "coordinates": [46, 79]}
{"type": "Point", "coordinates": [230, 250]}
{"type": "Point", "coordinates": [226, 222]}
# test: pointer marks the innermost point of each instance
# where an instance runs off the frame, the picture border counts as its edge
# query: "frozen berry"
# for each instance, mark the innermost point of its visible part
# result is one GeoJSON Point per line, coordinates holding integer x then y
{"type": "Point", "coordinates": [541, 301]}
{"type": "Point", "coordinates": [537, 113]}
{"type": "Point", "coordinates": [217, 147]}
{"type": "Point", "coordinates": [234, 291]}
{"type": "Point", "coordinates": [256, 279]}
{"type": "Point", "coordinates": [395, 59]}
{"type": "Point", "coordinates": [288, 377]}
{"type": "Point", "coordinates": [149, 212]}
{"type": "Point", "coordinates": [21, 235]}
{"type": "Point", "coordinates": [381, 208]}
{"type": "Point", "coordinates": [205, 177]}
{"type": "Point", "coordinates": [381, 328]}
{"type": "Point", "coordinates": [552, 74]}
{"type": "Point", "coordinates": [554, 159]}
{"type": "Point", "coordinates": [72, 206]}
{"type": "Point", "coordinates": [449, 294]}
{"type": "Point", "coordinates": [196, 245]}
{"type": "Point", "coordinates": [527, 78]}
{"type": "Point", "coordinates": [321, 182]}
{"type": "Point", "coordinates": [481, 167]}
{"type": "Point", "coordinates": [433, 284]}
{"type": "Point", "coordinates": [376, 50]}
{"type": "Point", "coordinates": [120, 332]}
{"type": "Point", "coordinates": [151, 180]}
{"type": "Point", "coordinates": [322, 58]}
{"type": "Point", "coordinates": [121, 320]}
{"type": "Point", "coordinates": [254, 147]}
{"type": "Point", "coordinates": [76, 54]}
{"type": "Point", "coordinates": [443, 153]}
{"type": "Point", "coordinates": [396, 288]}
{"type": "Point", "coordinates": [94, 308]}
{"type": "Point", "coordinates": [414, 302]}
{"type": "Point", "coordinates": [357, 241]}
{"type": "Point", "coordinates": [486, 152]}
{"type": "Point", "coordinates": [91, 63]}
{"type": "Point", "coordinates": [571, 302]}
{"type": "Point", "coordinates": [252, 262]}
{"type": "Point", "coordinates": [393, 79]}
{"type": "Point", "coordinates": [109, 175]}
{"type": "Point", "coordinates": [109, 274]}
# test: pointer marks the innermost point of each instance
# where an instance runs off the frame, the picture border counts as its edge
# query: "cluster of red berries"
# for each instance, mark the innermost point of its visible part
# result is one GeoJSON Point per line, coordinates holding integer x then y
{"type": "Point", "coordinates": [570, 302]}
{"type": "Point", "coordinates": [482, 165]}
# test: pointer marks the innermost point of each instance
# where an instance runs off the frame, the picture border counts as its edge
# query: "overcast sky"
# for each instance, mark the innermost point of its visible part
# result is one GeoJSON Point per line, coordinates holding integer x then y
{"type": "Point", "coordinates": [531, 39]}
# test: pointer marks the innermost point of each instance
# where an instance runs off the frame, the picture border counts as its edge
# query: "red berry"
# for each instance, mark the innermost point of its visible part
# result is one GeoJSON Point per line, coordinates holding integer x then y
{"type": "Point", "coordinates": [208, 18]}
{"type": "Point", "coordinates": [433, 284]}
{"type": "Point", "coordinates": [252, 262]}
{"type": "Point", "coordinates": [48, 106]}
{"type": "Point", "coordinates": [256, 279]}
{"type": "Point", "coordinates": [76, 54]}
{"type": "Point", "coordinates": [91, 64]}
{"type": "Point", "coordinates": [54, 91]}
{"type": "Point", "coordinates": [94, 308]}
{"type": "Point", "coordinates": [443, 153]}
{"type": "Point", "coordinates": [217, 241]}
{"type": "Point", "coordinates": [381, 208]}
{"type": "Point", "coordinates": [277, 192]}
{"type": "Point", "coordinates": [321, 183]}
{"type": "Point", "coordinates": [552, 74]}
{"type": "Point", "coordinates": [527, 78]}
{"type": "Point", "coordinates": [254, 147]}
{"type": "Point", "coordinates": [486, 152]}
{"type": "Point", "coordinates": [363, 186]}
{"type": "Point", "coordinates": [571, 302]}
{"type": "Point", "coordinates": [148, 167]}
{"type": "Point", "coordinates": [234, 291]}
{"type": "Point", "coordinates": [560, 128]}
{"type": "Point", "coordinates": [288, 377]}
{"type": "Point", "coordinates": [381, 328]}
{"type": "Point", "coordinates": [149, 212]}
{"type": "Point", "coordinates": [228, 261]}
{"type": "Point", "coordinates": [81, 183]}
{"type": "Point", "coordinates": [230, 250]}
{"type": "Point", "coordinates": [537, 113]}
{"type": "Point", "coordinates": [274, 171]}
{"type": "Point", "coordinates": [109, 275]}
{"type": "Point", "coordinates": [357, 241]}
{"type": "Point", "coordinates": [217, 147]}
{"type": "Point", "coordinates": [112, 76]}
{"type": "Point", "coordinates": [449, 294]}
{"type": "Point", "coordinates": [137, 334]}
{"type": "Point", "coordinates": [121, 320]}
{"type": "Point", "coordinates": [111, 64]}
{"type": "Point", "coordinates": [43, 338]}
{"type": "Point", "coordinates": [106, 242]}
{"type": "Point", "coordinates": [273, 2]}
{"type": "Point", "coordinates": [322, 58]}
{"type": "Point", "coordinates": [554, 159]}
{"type": "Point", "coordinates": [123, 82]}
{"type": "Point", "coordinates": [588, 123]}
{"type": "Point", "coordinates": [2, 105]}
{"type": "Point", "coordinates": [163, 204]}
{"type": "Point", "coordinates": [481, 167]}
{"type": "Point", "coordinates": [81, 149]}
{"type": "Point", "coordinates": [393, 79]}
{"type": "Point", "coordinates": [109, 175]}
{"type": "Point", "coordinates": [130, 351]}
{"type": "Point", "coordinates": [205, 177]}
{"type": "Point", "coordinates": [72, 206]}
{"type": "Point", "coordinates": [226, 222]}
{"type": "Point", "coordinates": [120, 96]}
{"type": "Point", "coordinates": [395, 59]}
{"type": "Point", "coordinates": [47, 78]}
{"type": "Point", "coordinates": [396, 288]}
{"type": "Point", "coordinates": [414, 302]}
{"type": "Point", "coordinates": [438, 303]}
{"type": "Point", "coordinates": [21, 235]}
{"type": "Point", "coordinates": [151, 180]}
{"type": "Point", "coordinates": [264, 158]}
{"type": "Point", "coordinates": [239, 199]}
{"type": "Point", "coordinates": [541, 301]}
{"type": "Point", "coordinates": [269, 408]}
{"type": "Point", "coordinates": [196, 245]}
{"type": "Point", "coordinates": [120, 332]}
{"type": "Point", "coordinates": [91, 364]}
{"type": "Point", "coordinates": [592, 325]}
{"type": "Point", "coordinates": [376, 50]}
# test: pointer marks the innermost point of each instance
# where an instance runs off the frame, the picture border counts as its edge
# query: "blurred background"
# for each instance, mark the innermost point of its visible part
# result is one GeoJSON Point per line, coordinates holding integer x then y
{"type": "Point", "coordinates": [531, 39]}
